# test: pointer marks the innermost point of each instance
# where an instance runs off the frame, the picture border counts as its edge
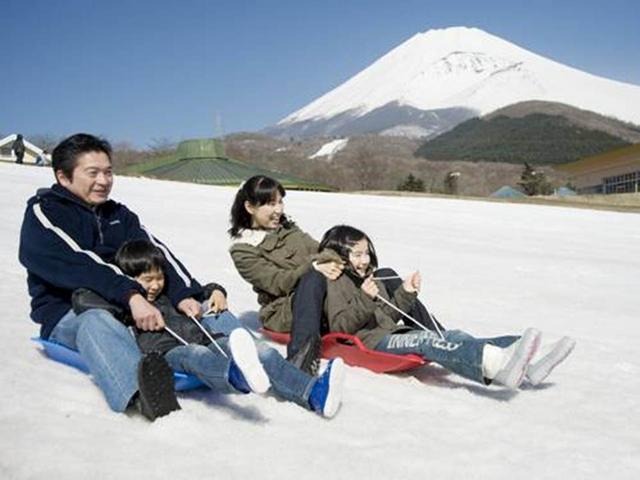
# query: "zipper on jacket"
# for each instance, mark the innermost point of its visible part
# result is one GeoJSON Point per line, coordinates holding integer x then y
{"type": "Point", "coordinates": [97, 217]}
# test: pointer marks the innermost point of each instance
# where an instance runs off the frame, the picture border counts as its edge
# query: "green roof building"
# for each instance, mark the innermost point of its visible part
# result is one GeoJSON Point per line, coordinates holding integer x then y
{"type": "Point", "coordinates": [204, 161]}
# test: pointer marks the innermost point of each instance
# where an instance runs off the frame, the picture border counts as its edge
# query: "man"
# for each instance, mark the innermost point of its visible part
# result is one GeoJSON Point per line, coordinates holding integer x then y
{"type": "Point", "coordinates": [18, 148]}
{"type": "Point", "coordinates": [69, 236]}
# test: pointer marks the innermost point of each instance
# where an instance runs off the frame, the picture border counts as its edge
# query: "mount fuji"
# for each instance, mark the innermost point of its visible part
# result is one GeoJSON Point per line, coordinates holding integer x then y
{"type": "Point", "coordinates": [441, 77]}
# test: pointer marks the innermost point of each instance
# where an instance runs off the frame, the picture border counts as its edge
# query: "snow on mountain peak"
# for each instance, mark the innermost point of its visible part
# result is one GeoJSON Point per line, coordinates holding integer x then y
{"type": "Point", "coordinates": [461, 67]}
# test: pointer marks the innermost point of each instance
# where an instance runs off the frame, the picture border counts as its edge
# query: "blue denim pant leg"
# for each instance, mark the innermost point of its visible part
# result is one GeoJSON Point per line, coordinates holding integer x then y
{"type": "Point", "coordinates": [287, 381]}
{"type": "Point", "coordinates": [108, 349]}
{"type": "Point", "coordinates": [459, 352]}
{"type": "Point", "coordinates": [225, 323]}
{"type": "Point", "coordinates": [205, 362]}
{"type": "Point", "coordinates": [502, 342]}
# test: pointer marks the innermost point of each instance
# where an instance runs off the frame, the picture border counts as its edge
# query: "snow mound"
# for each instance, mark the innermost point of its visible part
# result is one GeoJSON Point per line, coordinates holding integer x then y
{"type": "Point", "coordinates": [488, 268]}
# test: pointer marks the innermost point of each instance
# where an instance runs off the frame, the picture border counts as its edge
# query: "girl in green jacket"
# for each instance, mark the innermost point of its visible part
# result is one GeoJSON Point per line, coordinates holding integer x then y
{"type": "Point", "coordinates": [358, 304]}
{"type": "Point", "coordinates": [284, 267]}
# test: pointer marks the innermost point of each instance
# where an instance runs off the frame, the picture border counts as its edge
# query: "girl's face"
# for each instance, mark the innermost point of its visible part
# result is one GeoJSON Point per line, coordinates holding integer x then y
{"type": "Point", "coordinates": [267, 216]}
{"type": "Point", "coordinates": [359, 257]}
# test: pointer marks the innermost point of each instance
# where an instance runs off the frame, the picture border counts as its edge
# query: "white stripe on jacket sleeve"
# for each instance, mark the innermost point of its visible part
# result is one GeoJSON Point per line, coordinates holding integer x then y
{"type": "Point", "coordinates": [46, 223]}
{"type": "Point", "coordinates": [170, 258]}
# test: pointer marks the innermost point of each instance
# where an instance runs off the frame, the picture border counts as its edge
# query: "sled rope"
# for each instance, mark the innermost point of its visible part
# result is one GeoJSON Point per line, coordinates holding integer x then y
{"type": "Point", "coordinates": [384, 300]}
{"type": "Point", "coordinates": [211, 339]}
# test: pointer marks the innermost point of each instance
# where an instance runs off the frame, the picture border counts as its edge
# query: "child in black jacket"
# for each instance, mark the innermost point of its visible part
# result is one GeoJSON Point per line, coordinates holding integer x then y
{"type": "Point", "coordinates": [183, 342]}
{"type": "Point", "coordinates": [187, 347]}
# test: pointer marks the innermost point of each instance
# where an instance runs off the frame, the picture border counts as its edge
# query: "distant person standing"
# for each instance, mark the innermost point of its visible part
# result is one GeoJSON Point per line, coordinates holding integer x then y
{"type": "Point", "coordinates": [18, 148]}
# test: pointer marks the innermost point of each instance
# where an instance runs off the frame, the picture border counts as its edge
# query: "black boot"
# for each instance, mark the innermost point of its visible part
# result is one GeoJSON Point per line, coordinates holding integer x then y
{"type": "Point", "coordinates": [156, 389]}
{"type": "Point", "coordinates": [307, 358]}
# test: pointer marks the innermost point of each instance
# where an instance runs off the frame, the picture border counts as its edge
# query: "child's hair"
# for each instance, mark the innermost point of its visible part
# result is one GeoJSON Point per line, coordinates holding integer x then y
{"type": "Point", "coordinates": [136, 257]}
{"type": "Point", "coordinates": [258, 190]}
{"type": "Point", "coordinates": [341, 238]}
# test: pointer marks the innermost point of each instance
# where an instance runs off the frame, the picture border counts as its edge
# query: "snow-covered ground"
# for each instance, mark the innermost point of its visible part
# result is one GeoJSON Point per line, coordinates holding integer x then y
{"type": "Point", "coordinates": [489, 268]}
{"type": "Point", "coordinates": [331, 148]}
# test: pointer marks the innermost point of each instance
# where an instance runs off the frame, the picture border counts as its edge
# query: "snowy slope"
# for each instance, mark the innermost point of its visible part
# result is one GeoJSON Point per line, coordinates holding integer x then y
{"type": "Point", "coordinates": [331, 148]}
{"type": "Point", "coordinates": [464, 68]}
{"type": "Point", "coordinates": [488, 268]}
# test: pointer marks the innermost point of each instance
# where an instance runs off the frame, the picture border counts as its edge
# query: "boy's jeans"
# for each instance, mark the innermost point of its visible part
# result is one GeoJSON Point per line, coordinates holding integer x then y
{"type": "Point", "coordinates": [108, 349]}
{"type": "Point", "coordinates": [287, 381]}
{"type": "Point", "coordinates": [459, 352]}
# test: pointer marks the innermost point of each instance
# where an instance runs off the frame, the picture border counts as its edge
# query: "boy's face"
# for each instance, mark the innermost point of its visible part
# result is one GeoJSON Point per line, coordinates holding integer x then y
{"type": "Point", "coordinates": [153, 282]}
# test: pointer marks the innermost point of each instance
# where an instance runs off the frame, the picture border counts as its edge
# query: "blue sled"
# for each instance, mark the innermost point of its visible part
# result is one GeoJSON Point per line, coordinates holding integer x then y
{"type": "Point", "coordinates": [65, 355]}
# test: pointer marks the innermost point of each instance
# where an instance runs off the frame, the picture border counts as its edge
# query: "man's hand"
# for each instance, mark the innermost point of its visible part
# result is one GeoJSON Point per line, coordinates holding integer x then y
{"type": "Point", "coordinates": [146, 316]}
{"type": "Point", "coordinates": [412, 283]}
{"type": "Point", "coordinates": [190, 307]}
{"type": "Point", "coordinates": [369, 287]}
{"type": "Point", "coordinates": [217, 302]}
{"type": "Point", "coordinates": [331, 270]}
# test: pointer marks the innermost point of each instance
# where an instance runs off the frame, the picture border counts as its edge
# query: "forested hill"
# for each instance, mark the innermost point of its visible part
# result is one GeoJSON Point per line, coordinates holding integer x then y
{"type": "Point", "coordinates": [536, 138]}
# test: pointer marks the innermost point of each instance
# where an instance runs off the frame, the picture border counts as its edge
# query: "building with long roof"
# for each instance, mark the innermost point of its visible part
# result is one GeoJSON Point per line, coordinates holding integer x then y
{"type": "Point", "coordinates": [204, 161]}
{"type": "Point", "coordinates": [616, 171]}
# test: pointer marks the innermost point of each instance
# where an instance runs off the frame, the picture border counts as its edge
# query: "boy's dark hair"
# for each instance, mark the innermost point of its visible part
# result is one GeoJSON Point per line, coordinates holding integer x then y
{"type": "Point", "coordinates": [341, 238]}
{"type": "Point", "coordinates": [136, 257]}
{"type": "Point", "coordinates": [65, 155]}
{"type": "Point", "coordinates": [257, 190]}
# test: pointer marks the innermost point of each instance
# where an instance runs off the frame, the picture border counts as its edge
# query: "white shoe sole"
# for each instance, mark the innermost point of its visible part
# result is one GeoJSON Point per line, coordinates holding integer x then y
{"type": "Point", "coordinates": [537, 372]}
{"type": "Point", "coordinates": [336, 387]}
{"type": "Point", "coordinates": [244, 353]}
{"type": "Point", "coordinates": [512, 375]}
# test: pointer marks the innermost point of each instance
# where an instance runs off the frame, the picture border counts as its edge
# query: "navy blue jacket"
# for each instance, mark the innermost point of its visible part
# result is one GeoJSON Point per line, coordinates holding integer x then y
{"type": "Point", "coordinates": [66, 244]}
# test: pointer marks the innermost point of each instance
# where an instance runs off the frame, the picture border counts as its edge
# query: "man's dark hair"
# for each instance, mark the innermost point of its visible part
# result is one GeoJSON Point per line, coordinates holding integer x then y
{"type": "Point", "coordinates": [65, 155]}
{"type": "Point", "coordinates": [136, 257]}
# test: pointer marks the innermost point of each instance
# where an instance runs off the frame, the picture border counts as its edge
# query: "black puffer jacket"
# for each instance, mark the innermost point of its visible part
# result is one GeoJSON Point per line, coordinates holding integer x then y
{"type": "Point", "coordinates": [148, 341]}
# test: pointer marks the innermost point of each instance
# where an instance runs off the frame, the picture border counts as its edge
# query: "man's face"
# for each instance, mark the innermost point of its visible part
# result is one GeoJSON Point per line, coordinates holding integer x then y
{"type": "Point", "coordinates": [92, 178]}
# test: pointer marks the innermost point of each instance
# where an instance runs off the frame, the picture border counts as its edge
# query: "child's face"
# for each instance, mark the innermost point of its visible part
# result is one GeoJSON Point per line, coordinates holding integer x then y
{"type": "Point", "coordinates": [359, 257]}
{"type": "Point", "coordinates": [267, 216]}
{"type": "Point", "coordinates": [153, 282]}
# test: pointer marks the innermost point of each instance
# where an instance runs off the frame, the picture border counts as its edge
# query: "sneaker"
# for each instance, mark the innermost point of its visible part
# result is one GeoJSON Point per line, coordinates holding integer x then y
{"type": "Point", "coordinates": [246, 361]}
{"type": "Point", "coordinates": [156, 389]}
{"type": "Point", "coordinates": [517, 359]}
{"type": "Point", "coordinates": [326, 394]}
{"type": "Point", "coordinates": [548, 358]}
{"type": "Point", "coordinates": [307, 358]}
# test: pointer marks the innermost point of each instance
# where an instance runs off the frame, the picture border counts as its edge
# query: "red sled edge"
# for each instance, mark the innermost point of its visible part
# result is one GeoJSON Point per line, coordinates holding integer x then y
{"type": "Point", "coordinates": [351, 349]}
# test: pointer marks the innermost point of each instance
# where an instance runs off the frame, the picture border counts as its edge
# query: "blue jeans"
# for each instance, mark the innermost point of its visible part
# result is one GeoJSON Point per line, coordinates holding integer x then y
{"type": "Point", "coordinates": [108, 349]}
{"type": "Point", "coordinates": [205, 362]}
{"type": "Point", "coordinates": [287, 381]}
{"type": "Point", "coordinates": [459, 352]}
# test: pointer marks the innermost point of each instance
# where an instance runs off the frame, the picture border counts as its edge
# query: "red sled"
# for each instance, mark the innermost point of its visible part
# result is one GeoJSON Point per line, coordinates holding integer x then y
{"type": "Point", "coordinates": [355, 353]}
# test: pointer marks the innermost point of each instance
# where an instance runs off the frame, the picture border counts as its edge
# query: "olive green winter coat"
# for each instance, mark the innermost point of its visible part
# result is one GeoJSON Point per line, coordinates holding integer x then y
{"type": "Point", "coordinates": [350, 310]}
{"type": "Point", "coordinates": [273, 262]}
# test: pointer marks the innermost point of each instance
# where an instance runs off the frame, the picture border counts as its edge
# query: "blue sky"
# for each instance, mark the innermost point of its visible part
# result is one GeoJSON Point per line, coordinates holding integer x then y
{"type": "Point", "coordinates": [142, 70]}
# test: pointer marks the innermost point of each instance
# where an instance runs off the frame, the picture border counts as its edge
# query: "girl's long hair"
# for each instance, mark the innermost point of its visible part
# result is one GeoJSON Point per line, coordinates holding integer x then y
{"type": "Point", "coordinates": [341, 238]}
{"type": "Point", "coordinates": [258, 190]}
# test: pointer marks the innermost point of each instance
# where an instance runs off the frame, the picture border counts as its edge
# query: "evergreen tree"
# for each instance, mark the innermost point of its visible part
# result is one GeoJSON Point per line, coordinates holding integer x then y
{"type": "Point", "coordinates": [412, 184]}
{"type": "Point", "coordinates": [534, 182]}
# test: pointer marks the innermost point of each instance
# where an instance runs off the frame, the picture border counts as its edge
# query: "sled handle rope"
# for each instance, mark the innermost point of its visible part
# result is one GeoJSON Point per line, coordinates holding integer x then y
{"type": "Point", "coordinates": [435, 324]}
{"type": "Point", "coordinates": [211, 339]}
{"type": "Point", "coordinates": [175, 335]}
